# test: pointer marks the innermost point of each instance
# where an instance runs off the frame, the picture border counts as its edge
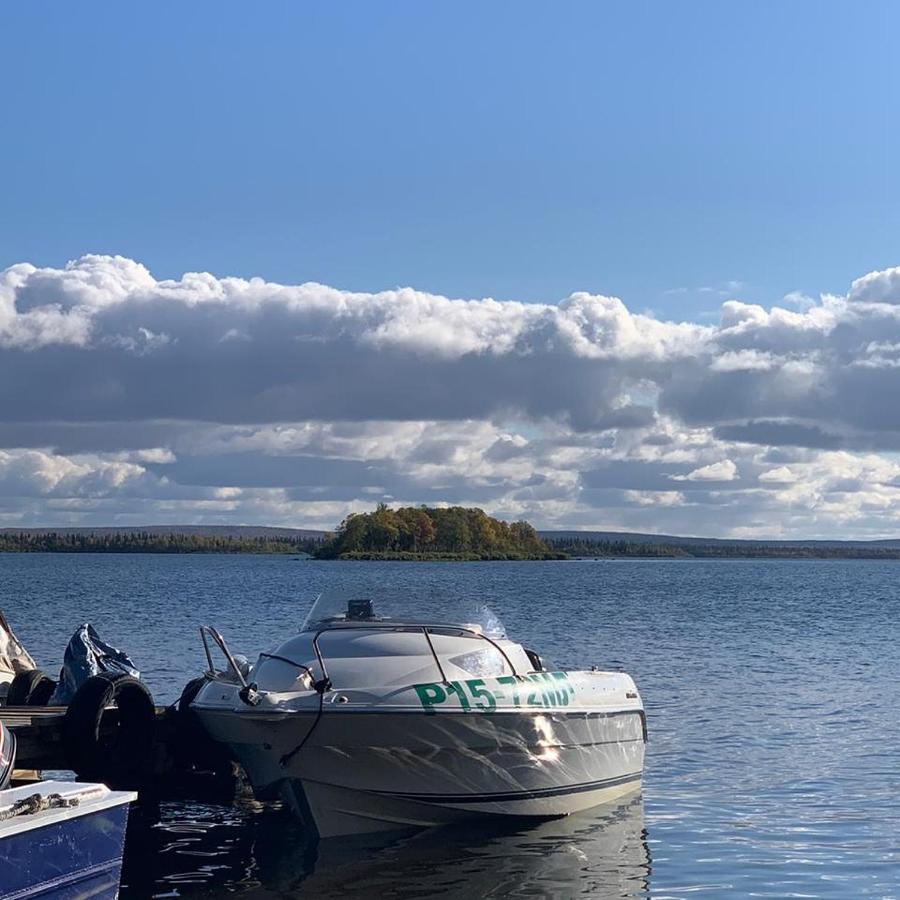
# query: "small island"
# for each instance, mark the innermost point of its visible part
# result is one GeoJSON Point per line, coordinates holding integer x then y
{"type": "Point", "coordinates": [432, 533]}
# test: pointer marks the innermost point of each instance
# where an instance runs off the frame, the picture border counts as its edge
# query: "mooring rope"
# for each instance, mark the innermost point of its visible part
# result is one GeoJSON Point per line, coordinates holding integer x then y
{"type": "Point", "coordinates": [37, 803]}
{"type": "Point", "coordinates": [321, 687]}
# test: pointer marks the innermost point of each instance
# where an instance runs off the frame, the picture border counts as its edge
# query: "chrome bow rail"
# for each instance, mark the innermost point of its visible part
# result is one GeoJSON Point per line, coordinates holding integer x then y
{"type": "Point", "coordinates": [208, 631]}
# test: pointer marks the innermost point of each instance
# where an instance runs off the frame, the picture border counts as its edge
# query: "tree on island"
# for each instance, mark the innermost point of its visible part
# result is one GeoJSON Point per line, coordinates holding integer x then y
{"type": "Point", "coordinates": [422, 531]}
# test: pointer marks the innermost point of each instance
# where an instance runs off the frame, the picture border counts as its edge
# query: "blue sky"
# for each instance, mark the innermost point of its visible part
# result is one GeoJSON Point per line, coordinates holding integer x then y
{"type": "Point", "coordinates": [514, 150]}
{"type": "Point", "coordinates": [207, 211]}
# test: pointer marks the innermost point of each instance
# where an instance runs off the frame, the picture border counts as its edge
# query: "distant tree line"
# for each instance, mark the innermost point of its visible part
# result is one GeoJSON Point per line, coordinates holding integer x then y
{"type": "Point", "coordinates": [620, 548]}
{"type": "Point", "coordinates": [420, 532]}
{"type": "Point", "coordinates": [144, 542]}
{"type": "Point", "coordinates": [454, 533]}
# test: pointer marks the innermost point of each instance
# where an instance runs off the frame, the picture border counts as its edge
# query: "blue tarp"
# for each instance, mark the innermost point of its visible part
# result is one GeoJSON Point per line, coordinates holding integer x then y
{"type": "Point", "coordinates": [88, 655]}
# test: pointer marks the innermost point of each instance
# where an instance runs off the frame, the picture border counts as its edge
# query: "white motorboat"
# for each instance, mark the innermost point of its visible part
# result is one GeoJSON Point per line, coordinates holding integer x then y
{"type": "Point", "coordinates": [372, 719]}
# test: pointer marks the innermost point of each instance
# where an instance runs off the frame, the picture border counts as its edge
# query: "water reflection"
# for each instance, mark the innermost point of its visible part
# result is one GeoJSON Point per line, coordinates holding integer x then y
{"type": "Point", "coordinates": [260, 851]}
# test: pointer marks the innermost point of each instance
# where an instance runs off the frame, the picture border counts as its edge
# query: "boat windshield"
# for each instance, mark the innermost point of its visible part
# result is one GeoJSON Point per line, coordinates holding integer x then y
{"type": "Point", "coordinates": [370, 607]}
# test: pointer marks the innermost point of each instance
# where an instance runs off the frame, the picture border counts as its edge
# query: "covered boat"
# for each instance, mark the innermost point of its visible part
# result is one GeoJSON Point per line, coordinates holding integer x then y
{"type": "Point", "coordinates": [379, 715]}
{"type": "Point", "coordinates": [14, 658]}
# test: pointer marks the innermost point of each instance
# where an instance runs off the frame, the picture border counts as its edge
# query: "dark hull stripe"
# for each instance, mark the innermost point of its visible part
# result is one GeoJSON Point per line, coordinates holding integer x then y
{"type": "Point", "coordinates": [516, 795]}
{"type": "Point", "coordinates": [400, 711]}
{"type": "Point", "coordinates": [499, 711]}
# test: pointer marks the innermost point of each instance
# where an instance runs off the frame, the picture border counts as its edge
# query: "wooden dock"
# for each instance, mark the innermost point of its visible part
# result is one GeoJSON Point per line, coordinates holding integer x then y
{"type": "Point", "coordinates": [38, 731]}
{"type": "Point", "coordinates": [184, 764]}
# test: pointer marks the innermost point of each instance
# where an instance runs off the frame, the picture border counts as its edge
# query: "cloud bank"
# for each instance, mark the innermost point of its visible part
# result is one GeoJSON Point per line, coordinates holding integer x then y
{"type": "Point", "coordinates": [129, 399]}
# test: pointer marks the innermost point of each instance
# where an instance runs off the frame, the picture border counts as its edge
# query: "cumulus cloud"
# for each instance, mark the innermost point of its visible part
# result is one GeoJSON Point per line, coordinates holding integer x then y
{"type": "Point", "coordinates": [655, 498]}
{"type": "Point", "coordinates": [35, 472]}
{"type": "Point", "coordinates": [725, 470]}
{"type": "Point", "coordinates": [779, 475]}
{"type": "Point", "coordinates": [225, 398]}
{"type": "Point", "coordinates": [101, 340]}
{"type": "Point", "coordinates": [877, 287]}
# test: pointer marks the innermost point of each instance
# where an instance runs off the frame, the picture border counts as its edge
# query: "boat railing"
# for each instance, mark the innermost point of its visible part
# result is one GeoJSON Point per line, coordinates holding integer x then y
{"type": "Point", "coordinates": [425, 629]}
{"type": "Point", "coordinates": [208, 632]}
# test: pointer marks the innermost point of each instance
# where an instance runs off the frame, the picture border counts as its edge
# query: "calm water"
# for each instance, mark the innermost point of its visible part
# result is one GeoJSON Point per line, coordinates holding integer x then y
{"type": "Point", "coordinates": [772, 691]}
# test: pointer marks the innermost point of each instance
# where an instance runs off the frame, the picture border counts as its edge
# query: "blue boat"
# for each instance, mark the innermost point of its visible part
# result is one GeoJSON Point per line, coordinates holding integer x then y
{"type": "Point", "coordinates": [59, 839]}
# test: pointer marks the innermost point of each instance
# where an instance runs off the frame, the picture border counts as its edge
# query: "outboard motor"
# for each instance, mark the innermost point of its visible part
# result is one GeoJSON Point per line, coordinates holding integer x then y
{"type": "Point", "coordinates": [7, 756]}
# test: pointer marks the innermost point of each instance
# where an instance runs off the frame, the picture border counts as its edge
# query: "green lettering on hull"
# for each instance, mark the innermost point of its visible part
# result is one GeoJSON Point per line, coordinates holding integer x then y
{"type": "Point", "coordinates": [543, 690]}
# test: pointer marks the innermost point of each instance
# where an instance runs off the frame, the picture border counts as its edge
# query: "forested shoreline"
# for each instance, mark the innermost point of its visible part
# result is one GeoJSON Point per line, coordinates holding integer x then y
{"type": "Point", "coordinates": [604, 549]}
{"type": "Point", "coordinates": [145, 542]}
{"type": "Point", "coordinates": [449, 534]}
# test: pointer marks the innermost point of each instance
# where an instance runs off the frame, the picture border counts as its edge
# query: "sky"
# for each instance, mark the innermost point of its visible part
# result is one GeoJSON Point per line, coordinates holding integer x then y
{"type": "Point", "coordinates": [597, 265]}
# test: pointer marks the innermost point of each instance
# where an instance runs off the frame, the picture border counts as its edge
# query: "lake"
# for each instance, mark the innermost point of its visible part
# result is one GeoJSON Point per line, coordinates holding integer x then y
{"type": "Point", "coordinates": [771, 689]}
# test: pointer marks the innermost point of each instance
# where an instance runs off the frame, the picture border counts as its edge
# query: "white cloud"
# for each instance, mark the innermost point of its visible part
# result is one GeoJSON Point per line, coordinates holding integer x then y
{"type": "Point", "coordinates": [877, 287]}
{"type": "Point", "coordinates": [30, 472]}
{"type": "Point", "coordinates": [744, 361]}
{"type": "Point", "coordinates": [725, 470]}
{"type": "Point", "coordinates": [655, 498]}
{"type": "Point", "coordinates": [779, 475]}
{"type": "Point", "coordinates": [125, 397]}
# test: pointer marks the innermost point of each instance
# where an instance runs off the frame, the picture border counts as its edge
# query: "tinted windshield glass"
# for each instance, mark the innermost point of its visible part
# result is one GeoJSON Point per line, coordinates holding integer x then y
{"type": "Point", "coordinates": [368, 607]}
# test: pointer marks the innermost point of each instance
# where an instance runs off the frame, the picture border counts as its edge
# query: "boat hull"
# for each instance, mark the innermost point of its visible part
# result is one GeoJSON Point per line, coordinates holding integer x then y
{"type": "Point", "coordinates": [362, 771]}
{"type": "Point", "coordinates": [64, 854]}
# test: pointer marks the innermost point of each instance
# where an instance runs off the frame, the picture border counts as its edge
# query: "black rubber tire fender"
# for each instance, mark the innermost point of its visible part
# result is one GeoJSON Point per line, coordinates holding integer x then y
{"type": "Point", "coordinates": [30, 688]}
{"type": "Point", "coordinates": [122, 759]}
{"type": "Point", "coordinates": [189, 693]}
{"type": "Point", "coordinates": [194, 747]}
